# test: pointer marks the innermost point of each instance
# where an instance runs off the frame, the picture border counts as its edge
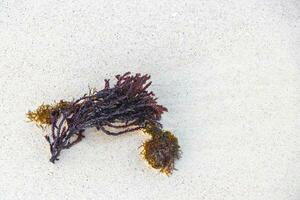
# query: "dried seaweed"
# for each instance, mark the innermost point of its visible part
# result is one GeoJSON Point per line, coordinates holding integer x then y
{"type": "Point", "coordinates": [125, 107]}
{"type": "Point", "coordinates": [42, 115]}
{"type": "Point", "coordinates": [161, 150]}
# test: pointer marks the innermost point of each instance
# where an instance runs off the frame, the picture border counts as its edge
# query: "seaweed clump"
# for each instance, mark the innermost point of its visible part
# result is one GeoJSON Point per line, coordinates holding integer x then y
{"type": "Point", "coordinates": [42, 115]}
{"type": "Point", "coordinates": [125, 107]}
{"type": "Point", "coordinates": [161, 150]}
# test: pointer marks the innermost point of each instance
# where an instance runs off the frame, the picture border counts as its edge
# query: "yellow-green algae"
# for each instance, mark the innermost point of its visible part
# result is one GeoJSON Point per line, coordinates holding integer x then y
{"type": "Point", "coordinates": [42, 115]}
{"type": "Point", "coordinates": [161, 150]}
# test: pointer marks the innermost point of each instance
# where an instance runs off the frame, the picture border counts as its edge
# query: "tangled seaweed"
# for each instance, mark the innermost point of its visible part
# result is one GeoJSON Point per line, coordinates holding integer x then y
{"type": "Point", "coordinates": [161, 150]}
{"type": "Point", "coordinates": [125, 107]}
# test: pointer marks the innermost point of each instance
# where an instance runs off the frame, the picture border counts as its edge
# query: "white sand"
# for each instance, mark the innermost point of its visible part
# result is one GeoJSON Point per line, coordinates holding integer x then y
{"type": "Point", "coordinates": [229, 72]}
